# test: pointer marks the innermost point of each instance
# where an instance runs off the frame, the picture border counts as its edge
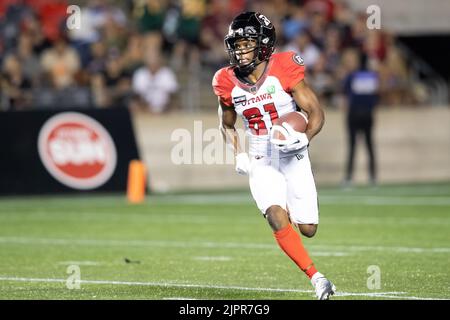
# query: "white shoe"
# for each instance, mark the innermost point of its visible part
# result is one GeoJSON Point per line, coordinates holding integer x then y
{"type": "Point", "coordinates": [324, 287]}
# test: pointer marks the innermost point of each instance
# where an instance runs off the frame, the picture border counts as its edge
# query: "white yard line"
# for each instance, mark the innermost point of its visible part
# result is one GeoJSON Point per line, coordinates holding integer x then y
{"type": "Point", "coordinates": [385, 200]}
{"type": "Point", "coordinates": [80, 263]}
{"type": "Point", "coordinates": [391, 295]}
{"type": "Point", "coordinates": [326, 249]}
{"type": "Point", "coordinates": [325, 199]}
{"type": "Point", "coordinates": [131, 243]}
{"type": "Point", "coordinates": [317, 253]}
{"type": "Point", "coordinates": [178, 298]}
{"type": "Point", "coordinates": [403, 196]}
{"type": "Point", "coordinates": [211, 258]}
{"type": "Point", "coordinates": [338, 199]}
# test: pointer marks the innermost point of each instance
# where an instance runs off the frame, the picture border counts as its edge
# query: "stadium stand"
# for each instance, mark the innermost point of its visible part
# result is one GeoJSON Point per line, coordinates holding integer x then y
{"type": "Point", "coordinates": [188, 35]}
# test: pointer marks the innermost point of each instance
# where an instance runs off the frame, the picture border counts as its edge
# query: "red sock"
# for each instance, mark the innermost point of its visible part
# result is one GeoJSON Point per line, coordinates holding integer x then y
{"type": "Point", "coordinates": [291, 243]}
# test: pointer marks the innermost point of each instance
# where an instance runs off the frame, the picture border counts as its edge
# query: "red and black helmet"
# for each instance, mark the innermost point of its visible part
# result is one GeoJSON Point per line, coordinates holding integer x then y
{"type": "Point", "coordinates": [251, 25]}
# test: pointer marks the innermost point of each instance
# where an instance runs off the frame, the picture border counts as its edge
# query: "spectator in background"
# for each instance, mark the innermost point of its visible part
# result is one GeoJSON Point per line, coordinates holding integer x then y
{"type": "Point", "coordinates": [324, 7]}
{"type": "Point", "coordinates": [132, 56]}
{"type": "Point", "coordinates": [212, 53]}
{"type": "Point", "coordinates": [375, 47]}
{"type": "Point", "coordinates": [114, 31]}
{"type": "Point", "coordinates": [302, 45]}
{"type": "Point", "coordinates": [321, 81]}
{"type": "Point", "coordinates": [32, 27]}
{"type": "Point", "coordinates": [28, 59]}
{"type": "Point", "coordinates": [15, 86]}
{"type": "Point", "coordinates": [98, 59]}
{"type": "Point", "coordinates": [52, 16]}
{"type": "Point", "coordinates": [150, 14]}
{"type": "Point", "coordinates": [317, 29]}
{"type": "Point", "coordinates": [332, 49]}
{"type": "Point", "coordinates": [89, 33]}
{"type": "Point", "coordinates": [186, 48]}
{"type": "Point", "coordinates": [295, 23]}
{"type": "Point", "coordinates": [358, 31]}
{"type": "Point", "coordinates": [15, 12]}
{"type": "Point", "coordinates": [394, 79]}
{"type": "Point", "coordinates": [61, 63]}
{"type": "Point", "coordinates": [361, 88]}
{"type": "Point", "coordinates": [100, 21]}
{"type": "Point", "coordinates": [154, 84]}
{"type": "Point", "coordinates": [214, 26]}
{"type": "Point", "coordinates": [112, 86]}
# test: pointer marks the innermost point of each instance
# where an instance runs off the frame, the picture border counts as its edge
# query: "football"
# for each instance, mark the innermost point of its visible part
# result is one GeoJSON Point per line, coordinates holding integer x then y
{"type": "Point", "coordinates": [297, 120]}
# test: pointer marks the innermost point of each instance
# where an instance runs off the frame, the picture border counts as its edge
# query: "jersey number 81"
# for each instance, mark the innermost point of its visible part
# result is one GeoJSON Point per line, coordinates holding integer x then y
{"type": "Point", "coordinates": [255, 118]}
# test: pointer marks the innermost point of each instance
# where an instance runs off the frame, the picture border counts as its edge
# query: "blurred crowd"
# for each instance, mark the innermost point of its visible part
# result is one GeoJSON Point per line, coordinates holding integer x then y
{"type": "Point", "coordinates": [139, 53]}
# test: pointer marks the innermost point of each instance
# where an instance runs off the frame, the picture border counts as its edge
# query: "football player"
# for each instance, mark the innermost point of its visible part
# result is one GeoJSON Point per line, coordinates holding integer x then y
{"type": "Point", "coordinates": [260, 87]}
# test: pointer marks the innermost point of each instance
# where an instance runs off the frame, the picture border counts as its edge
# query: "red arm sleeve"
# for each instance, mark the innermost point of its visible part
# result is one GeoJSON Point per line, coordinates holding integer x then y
{"type": "Point", "coordinates": [222, 86]}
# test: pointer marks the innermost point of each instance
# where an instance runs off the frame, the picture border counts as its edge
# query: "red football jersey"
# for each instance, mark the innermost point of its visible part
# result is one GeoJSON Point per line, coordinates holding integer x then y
{"type": "Point", "coordinates": [269, 98]}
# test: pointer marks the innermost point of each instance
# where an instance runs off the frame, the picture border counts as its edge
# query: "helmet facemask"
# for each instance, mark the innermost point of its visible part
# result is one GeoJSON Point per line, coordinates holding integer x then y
{"type": "Point", "coordinates": [251, 45]}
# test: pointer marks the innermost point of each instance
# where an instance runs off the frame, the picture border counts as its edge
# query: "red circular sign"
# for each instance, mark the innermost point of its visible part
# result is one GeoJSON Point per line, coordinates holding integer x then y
{"type": "Point", "coordinates": [77, 150]}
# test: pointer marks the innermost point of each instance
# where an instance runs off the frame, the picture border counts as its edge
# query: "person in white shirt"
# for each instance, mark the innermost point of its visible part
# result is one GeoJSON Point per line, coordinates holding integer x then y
{"type": "Point", "coordinates": [154, 83]}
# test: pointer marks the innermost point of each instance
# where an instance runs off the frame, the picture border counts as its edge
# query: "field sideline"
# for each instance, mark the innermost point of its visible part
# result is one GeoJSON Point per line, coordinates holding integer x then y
{"type": "Point", "coordinates": [217, 246]}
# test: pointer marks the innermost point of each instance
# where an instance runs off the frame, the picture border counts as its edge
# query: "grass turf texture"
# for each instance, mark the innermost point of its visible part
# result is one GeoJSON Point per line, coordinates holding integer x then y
{"type": "Point", "coordinates": [217, 246]}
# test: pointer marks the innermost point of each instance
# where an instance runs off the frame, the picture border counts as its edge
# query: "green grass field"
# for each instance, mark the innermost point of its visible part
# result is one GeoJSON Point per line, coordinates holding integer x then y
{"type": "Point", "coordinates": [217, 246]}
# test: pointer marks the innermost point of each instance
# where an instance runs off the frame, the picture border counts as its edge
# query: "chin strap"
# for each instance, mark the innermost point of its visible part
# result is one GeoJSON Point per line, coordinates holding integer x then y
{"type": "Point", "coordinates": [247, 69]}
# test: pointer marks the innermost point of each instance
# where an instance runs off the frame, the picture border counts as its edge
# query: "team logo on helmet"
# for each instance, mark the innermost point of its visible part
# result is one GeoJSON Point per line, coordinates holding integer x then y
{"type": "Point", "coordinates": [263, 19]}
